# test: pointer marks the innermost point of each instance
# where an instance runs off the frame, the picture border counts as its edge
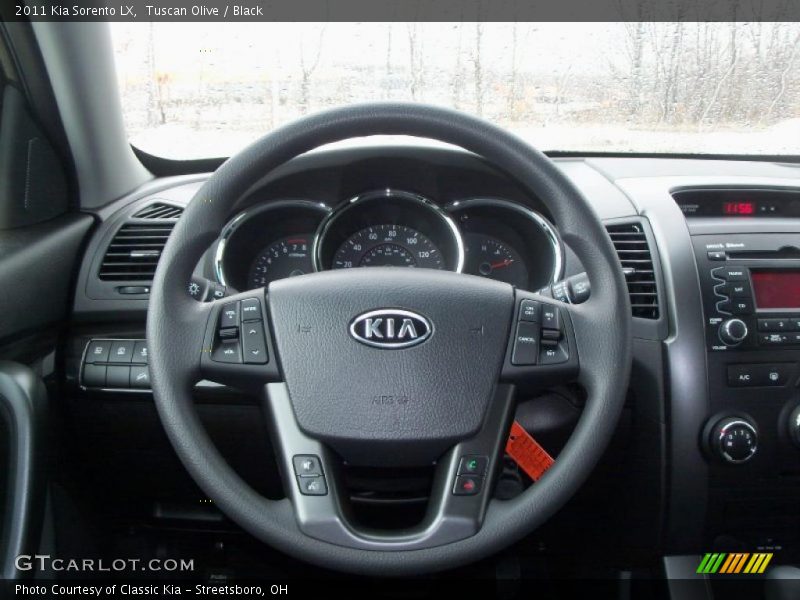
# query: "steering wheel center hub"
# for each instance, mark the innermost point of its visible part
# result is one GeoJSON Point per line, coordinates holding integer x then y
{"type": "Point", "coordinates": [390, 366]}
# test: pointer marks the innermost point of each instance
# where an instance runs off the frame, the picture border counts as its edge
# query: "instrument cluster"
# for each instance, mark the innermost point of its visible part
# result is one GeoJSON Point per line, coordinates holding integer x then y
{"type": "Point", "coordinates": [487, 237]}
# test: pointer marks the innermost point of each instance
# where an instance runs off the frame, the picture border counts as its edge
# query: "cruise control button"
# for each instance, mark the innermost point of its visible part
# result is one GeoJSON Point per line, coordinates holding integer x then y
{"type": "Point", "coordinates": [229, 317]}
{"type": "Point", "coordinates": [529, 311]}
{"type": "Point", "coordinates": [251, 310]}
{"type": "Point", "coordinates": [140, 376]}
{"type": "Point", "coordinates": [307, 465]}
{"type": "Point", "coordinates": [552, 355]}
{"type": "Point", "coordinates": [227, 352]}
{"type": "Point", "coordinates": [94, 375]}
{"type": "Point", "coordinates": [551, 318]}
{"type": "Point", "coordinates": [472, 465]}
{"type": "Point", "coordinates": [97, 351]}
{"type": "Point", "coordinates": [121, 351]}
{"type": "Point", "coordinates": [312, 486]}
{"type": "Point", "coordinates": [140, 352]}
{"type": "Point", "coordinates": [118, 377]}
{"type": "Point", "coordinates": [467, 485]}
{"type": "Point", "coordinates": [526, 344]}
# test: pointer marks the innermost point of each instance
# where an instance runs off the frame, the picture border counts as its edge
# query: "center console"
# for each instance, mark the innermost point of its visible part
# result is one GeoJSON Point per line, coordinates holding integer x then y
{"type": "Point", "coordinates": [750, 285]}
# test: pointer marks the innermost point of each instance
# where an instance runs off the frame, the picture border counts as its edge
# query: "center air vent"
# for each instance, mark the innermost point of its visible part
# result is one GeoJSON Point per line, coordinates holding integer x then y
{"type": "Point", "coordinates": [134, 252]}
{"type": "Point", "coordinates": [630, 242]}
{"type": "Point", "coordinates": [159, 210]}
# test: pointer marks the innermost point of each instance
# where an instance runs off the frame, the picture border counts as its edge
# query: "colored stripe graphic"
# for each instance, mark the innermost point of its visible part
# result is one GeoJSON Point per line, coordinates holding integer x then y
{"type": "Point", "coordinates": [740, 563]}
{"type": "Point", "coordinates": [763, 566]}
{"type": "Point", "coordinates": [734, 563]}
{"type": "Point", "coordinates": [728, 563]}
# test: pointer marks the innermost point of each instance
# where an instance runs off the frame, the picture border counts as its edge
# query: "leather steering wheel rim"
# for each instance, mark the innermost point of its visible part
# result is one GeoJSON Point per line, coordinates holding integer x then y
{"type": "Point", "coordinates": [603, 332]}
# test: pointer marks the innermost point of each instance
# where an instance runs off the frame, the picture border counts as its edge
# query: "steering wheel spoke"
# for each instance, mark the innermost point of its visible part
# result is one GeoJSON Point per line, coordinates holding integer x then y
{"type": "Point", "coordinates": [542, 349]}
{"type": "Point", "coordinates": [460, 493]}
{"type": "Point", "coordinates": [237, 345]}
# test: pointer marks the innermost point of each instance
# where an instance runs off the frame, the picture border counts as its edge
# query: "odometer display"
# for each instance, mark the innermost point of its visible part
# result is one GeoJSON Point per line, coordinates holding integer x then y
{"type": "Point", "coordinates": [388, 246]}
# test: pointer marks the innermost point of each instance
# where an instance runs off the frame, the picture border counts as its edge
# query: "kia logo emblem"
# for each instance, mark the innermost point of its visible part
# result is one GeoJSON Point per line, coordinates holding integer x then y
{"type": "Point", "coordinates": [390, 328]}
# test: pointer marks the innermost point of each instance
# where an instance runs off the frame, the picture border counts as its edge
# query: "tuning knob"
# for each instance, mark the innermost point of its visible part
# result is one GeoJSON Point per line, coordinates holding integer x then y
{"type": "Point", "coordinates": [733, 440]}
{"type": "Point", "coordinates": [733, 332]}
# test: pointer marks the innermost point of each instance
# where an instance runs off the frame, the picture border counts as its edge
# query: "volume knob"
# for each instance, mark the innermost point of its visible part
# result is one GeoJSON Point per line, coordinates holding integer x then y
{"type": "Point", "coordinates": [733, 332]}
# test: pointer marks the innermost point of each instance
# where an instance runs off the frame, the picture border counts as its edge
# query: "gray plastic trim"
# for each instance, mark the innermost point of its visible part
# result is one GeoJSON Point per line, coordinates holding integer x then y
{"type": "Point", "coordinates": [449, 517]}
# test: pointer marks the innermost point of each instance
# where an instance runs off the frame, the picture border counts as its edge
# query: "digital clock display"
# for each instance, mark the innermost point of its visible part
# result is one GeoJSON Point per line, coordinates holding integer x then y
{"type": "Point", "coordinates": [743, 209]}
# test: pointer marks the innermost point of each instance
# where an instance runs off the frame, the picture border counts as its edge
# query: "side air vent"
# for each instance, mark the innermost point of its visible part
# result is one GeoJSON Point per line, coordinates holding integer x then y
{"type": "Point", "coordinates": [632, 248]}
{"type": "Point", "coordinates": [159, 210]}
{"type": "Point", "coordinates": [134, 252]}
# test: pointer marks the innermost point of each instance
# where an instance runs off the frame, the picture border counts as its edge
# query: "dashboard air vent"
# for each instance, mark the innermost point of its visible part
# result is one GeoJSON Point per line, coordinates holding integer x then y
{"type": "Point", "coordinates": [159, 210]}
{"type": "Point", "coordinates": [134, 252]}
{"type": "Point", "coordinates": [633, 251]}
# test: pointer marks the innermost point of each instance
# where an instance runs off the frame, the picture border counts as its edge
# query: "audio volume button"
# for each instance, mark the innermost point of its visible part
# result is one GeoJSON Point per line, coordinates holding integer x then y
{"type": "Point", "coordinates": [733, 332]}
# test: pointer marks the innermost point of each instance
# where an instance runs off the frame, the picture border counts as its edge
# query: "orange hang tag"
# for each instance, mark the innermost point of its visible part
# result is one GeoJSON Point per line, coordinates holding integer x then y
{"type": "Point", "coordinates": [527, 453]}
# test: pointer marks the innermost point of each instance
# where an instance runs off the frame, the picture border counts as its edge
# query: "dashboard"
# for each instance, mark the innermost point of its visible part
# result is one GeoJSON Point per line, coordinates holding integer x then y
{"type": "Point", "coordinates": [487, 237]}
{"type": "Point", "coordinates": [710, 250]}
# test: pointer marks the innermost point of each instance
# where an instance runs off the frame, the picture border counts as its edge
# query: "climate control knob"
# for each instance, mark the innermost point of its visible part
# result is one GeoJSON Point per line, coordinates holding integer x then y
{"type": "Point", "coordinates": [733, 332]}
{"type": "Point", "coordinates": [734, 440]}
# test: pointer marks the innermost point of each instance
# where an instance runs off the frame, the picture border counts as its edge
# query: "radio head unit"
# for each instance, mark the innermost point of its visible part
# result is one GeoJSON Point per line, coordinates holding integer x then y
{"type": "Point", "coordinates": [751, 290]}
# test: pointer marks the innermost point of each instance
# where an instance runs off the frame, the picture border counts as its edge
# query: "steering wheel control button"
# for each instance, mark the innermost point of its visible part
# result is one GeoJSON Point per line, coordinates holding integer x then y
{"type": "Point", "coordinates": [118, 377]}
{"type": "Point", "coordinates": [553, 355]}
{"type": "Point", "coordinates": [94, 375]}
{"type": "Point", "coordinates": [529, 310]}
{"type": "Point", "coordinates": [140, 377]}
{"type": "Point", "coordinates": [307, 465]}
{"type": "Point", "coordinates": [251, 310]}
{"type": "Point", "coordinates": [140, 353]}
{"type": "Point", "coordinates": [229, 317]}
{"type": "Point", "coordinates": [228, 352]}
{"type": "Point", "coordinates": [526, 344]}
{"type": "Point", "coordinates": [551, 318]}
{"type": "Point", "coordinates": [254, 346]}
{"type": "Point", "coordinates": [121, 352]}
{"type": "Point", "coordinates": [467, 485]}
{"type": "Point", "coordinates": [473, 465]}
{"type": "Point", "coordinates": [313, 486]}
{"type": "Point", "coordinates": [97, 352]}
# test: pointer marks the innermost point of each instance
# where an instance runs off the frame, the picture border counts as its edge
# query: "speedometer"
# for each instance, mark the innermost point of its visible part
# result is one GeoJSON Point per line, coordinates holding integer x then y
{"type": "Point", "coordinates": [388, 246]}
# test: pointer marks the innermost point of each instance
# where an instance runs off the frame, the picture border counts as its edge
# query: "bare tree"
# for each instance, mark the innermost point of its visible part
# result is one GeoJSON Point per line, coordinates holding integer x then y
{"type": "Point", "coordinates": [477, 68]}
{"type": "Point", "coordinates": [415, 59]}
{"type": "Point", "coordinates": [307, 68]}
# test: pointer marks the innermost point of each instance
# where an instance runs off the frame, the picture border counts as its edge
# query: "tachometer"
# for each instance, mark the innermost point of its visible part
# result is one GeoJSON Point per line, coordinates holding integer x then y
{"type": "Point", "coordinates": [388, 246]}
{"type": "Point", "coordinates": [286, 257]}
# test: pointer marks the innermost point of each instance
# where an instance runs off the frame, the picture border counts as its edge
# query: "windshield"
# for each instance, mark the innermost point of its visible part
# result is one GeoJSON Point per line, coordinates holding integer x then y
{"type": "Point", "coordinates": [200, 90]}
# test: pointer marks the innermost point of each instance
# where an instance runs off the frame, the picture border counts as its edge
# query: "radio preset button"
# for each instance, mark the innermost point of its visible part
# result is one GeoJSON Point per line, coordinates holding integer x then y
{"type": "Point", "coordinates": [776, 325]}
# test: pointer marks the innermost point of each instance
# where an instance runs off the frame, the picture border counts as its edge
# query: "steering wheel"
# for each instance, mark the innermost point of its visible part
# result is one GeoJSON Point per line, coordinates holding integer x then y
{"type": "Point", "coordinates": [442, 393]}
